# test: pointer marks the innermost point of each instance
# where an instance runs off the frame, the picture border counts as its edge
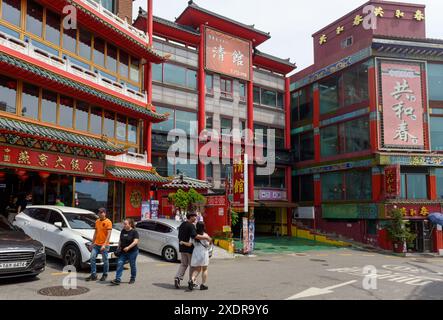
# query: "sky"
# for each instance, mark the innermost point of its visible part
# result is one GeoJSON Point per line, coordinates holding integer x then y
{"type": "Point", "coordinates": [290, 22]}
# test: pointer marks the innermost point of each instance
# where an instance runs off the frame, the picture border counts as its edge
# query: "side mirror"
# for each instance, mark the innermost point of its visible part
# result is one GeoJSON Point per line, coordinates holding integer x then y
{"type": "Point", "coordinates": [59, 225]}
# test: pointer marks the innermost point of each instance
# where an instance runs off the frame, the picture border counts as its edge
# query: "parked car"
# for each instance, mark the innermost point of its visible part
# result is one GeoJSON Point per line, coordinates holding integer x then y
{"type": "Point", "coordinates": [65, 232]}
{"type": "Point", "coordinates": [20, 256]}
{"type": "Point", "coordinates": [160, 237]}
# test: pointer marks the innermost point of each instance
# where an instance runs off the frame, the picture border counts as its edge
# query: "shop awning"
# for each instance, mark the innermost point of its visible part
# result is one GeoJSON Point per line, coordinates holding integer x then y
{"type": "Point", "coordinates": [136, 175]}
{"type": "Point", "coordinates": [27, 129]}
{"type": "Point", "coordinates": [184, 182]}
{"type": "Point", "coordinates": [275, 204]}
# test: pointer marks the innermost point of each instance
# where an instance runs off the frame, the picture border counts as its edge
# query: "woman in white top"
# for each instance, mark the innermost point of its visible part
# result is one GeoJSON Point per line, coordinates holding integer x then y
{"type": "Point", "coordinates": [200, 257]}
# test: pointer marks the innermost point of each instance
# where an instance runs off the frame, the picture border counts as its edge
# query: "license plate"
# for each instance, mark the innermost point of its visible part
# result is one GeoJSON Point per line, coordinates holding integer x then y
{"type": "Point", "coordinates": [13, 265]}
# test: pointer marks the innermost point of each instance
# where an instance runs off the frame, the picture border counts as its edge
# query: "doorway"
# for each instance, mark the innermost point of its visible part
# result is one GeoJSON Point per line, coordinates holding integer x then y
{"type": "Point", "coordinates": [423, 241]}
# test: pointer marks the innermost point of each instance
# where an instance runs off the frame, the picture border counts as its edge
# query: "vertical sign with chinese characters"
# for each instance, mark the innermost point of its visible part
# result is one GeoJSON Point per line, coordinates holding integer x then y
{"type": "Point", "coordinates": [227, 55]}
{"type": "Point", "coordinates": [392, 182]}
{"type": "Point", "coordinates": [402, 101]}
{"type": "Point", "coordinates": [239, 181]}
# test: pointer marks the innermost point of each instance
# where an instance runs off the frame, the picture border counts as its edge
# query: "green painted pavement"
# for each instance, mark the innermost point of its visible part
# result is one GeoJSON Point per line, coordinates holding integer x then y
{"type": "Point", "coordinates": [274, 245]}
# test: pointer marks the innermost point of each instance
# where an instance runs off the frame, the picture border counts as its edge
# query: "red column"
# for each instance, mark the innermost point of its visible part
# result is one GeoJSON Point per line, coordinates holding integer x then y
{"type": "Point", "coordinates": [288, 113]}
{"type": "Point", "coordinates": [377, 182]}
{"type": "Point", "coordinates": [201, 97]}
{"type": "Point", "coordinates": [250, 126]}
{"type": "Point", "coordinates": [373, 130]}
{"type": "Point", "coordinates": [148, 80]}
{"type": "Point", "coordinates": [432, 187]}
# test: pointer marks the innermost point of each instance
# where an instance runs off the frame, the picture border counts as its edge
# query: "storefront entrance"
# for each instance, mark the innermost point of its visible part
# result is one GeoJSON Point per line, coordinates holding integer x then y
{"type": "Point", "coordinates": [423, 230]}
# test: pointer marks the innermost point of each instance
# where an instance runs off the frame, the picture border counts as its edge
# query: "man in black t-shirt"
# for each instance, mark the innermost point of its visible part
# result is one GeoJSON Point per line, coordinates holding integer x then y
{"type": "Point", "coordinates": [186, 232]}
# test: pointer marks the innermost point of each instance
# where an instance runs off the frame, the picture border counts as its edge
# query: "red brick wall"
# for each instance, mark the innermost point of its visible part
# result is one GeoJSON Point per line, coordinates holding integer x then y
{"type": "Point", "coordinates": [124, 9]}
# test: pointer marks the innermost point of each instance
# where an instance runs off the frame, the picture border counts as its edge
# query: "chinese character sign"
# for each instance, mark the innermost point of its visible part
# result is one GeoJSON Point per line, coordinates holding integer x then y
{"type": "Point", "coordinates": [402, 105]}
{"type": "Point", "coordinates": [227, 55]}
{"type": "Point", "coordinates": [392, 181]}
{"type": "Point", "coordinates": [238, 189]}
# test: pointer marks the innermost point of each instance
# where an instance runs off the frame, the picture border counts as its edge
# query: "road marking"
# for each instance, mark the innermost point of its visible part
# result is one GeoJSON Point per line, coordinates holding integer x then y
{"type": "Point", "coordinates": [162, 264]}
{"type": "Point", "coordinates": [59, 273]}
{"type": "Point", "coordinates": [312, 292]}
{"type": "Point", "coordinates": [368, 255]}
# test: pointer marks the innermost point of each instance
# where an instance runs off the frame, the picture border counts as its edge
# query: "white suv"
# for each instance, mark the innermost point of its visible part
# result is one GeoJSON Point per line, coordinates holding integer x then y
{"type": "Point", "coordinates": [65, 232]}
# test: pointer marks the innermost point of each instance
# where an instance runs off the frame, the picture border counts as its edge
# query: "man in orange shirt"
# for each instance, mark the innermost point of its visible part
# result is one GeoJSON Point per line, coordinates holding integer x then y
{"type": "Point", "coordinates": [100, 245]}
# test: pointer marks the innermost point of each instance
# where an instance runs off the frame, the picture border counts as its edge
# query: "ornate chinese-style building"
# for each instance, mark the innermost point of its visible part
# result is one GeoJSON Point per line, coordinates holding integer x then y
{"type": "Point", "coordinates": [217, 77]}
{"type": "Point", "coordinates": [75, 110]}
{"type": "Point", "coordinates": [367, 126]}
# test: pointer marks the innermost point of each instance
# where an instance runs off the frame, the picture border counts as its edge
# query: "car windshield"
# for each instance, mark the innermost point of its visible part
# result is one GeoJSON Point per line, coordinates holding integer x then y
{"type": "Point", "coordinates": [5, 225]}
{"type": "Point", "coordinates": [81, 221]}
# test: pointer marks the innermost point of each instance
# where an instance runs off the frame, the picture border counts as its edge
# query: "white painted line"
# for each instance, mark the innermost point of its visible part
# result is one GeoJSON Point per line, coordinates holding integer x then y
{"type": "Point", "coordinates": [312, 292]}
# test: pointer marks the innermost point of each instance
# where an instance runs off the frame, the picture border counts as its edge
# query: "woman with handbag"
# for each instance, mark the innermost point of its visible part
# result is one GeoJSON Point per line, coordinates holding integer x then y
{"type": "Point", "coordinates": [127, 251]}
{"type": "Point", "coordinates": [200, 257]}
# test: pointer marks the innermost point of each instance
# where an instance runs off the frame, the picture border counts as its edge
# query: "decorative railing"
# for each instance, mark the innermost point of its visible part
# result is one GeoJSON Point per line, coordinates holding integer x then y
{"type": "Point", "coordinates": [27, 48]}
{"type": "Point", "coordinates": [98, 7]}
{"type": "Point", "coordinates": [131, 158]}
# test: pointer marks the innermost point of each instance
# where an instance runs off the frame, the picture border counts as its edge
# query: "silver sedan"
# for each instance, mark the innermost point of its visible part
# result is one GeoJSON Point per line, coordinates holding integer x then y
{"type": "Point", "coordinates": [159, 237]}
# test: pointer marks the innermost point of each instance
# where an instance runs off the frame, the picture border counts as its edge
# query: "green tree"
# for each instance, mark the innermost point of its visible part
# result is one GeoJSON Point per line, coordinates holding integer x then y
{"type": "Point", "coordinates": [187, 202]}
{"type": "Point", "coordinates": [398, 228]}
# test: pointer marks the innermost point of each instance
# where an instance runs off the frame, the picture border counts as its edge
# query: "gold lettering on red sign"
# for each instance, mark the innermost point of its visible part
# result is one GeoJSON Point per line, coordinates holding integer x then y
{"type": "Point", "coordinates": [43, 160]}
{"type": "Point", "coordinates": [75, 165]}
{"type": "Point", "coordinates": [23, 157]}
{"type": "Point", "coordinates": [89, 167]}
{"type": "Point", "coordinates": [6, 156]}
{"type": "Point", "coordinates": [59, 163]}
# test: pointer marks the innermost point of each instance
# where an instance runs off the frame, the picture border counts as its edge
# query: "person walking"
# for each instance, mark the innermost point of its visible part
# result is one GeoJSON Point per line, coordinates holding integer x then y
{"type": "Point", "coordinates": [200, 257]}
{"type": "Point", "coordinates": [59, 202]}
{"type": "Point", "coordinates": [100, 245]}
{"type": "Point", "coordinates": [187, 232]}
{"type": "Point", "coordinates": [21, 206]}
{"type": "Point", "coordinates": [128, 247]}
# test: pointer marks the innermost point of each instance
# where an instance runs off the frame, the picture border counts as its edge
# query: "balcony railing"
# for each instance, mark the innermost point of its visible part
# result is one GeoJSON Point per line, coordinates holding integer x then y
{"type": "Point", "coordinates": [131, 158]}
{"type": "Point", "coordinates": [28, 49]}
{"type": "Point", "coordinates": [98, 7]}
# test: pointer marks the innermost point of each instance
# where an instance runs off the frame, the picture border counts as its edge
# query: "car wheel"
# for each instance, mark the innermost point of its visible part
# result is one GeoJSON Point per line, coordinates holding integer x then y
{"type": "Point", "coordinates": [169, 254]}
{"type": "Point", "coordinates": [72, 256]}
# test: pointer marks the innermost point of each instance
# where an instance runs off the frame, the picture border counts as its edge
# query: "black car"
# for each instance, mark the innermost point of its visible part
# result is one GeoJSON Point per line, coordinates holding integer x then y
{"type": "Point", "coordinates": [20, 256]}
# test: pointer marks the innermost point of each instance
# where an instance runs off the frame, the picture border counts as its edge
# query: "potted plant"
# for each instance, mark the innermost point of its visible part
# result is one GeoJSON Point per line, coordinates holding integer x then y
{"type": "Point", "coordinates": [399, 231]}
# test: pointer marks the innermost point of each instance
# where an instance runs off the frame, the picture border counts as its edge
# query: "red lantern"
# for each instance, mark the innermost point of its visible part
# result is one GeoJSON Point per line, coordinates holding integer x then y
{"type": "Point", "coordinates": [44, 175]}
{"type": "Point", "coordinates": [23, 177]}
{"type": "Point", "coordinates": [20, 172]}
{"type": "Point", "coordinates": [2, 175]}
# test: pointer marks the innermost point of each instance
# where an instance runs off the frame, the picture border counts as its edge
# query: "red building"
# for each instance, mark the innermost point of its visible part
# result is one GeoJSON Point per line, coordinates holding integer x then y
{"type": "Point", "coordinates": [366, 126]}
{"type": "Point", "coordinates": [217, 78]}
{"type": "Point", "coordinates": [74, 110]}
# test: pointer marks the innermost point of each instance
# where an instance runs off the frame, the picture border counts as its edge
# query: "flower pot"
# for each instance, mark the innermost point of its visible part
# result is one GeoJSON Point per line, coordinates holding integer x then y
{"type": "Point", "coordinates": [400, 247]}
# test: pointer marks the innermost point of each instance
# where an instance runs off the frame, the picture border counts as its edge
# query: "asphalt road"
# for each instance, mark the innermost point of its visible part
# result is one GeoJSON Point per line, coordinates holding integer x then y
{"type": "Point", "coordinates": [331, 275]}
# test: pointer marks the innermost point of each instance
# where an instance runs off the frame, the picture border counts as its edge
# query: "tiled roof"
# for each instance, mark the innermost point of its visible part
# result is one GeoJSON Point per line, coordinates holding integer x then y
{"type": "Point", "coordinates": [136, 175]}
{"type": "Point", "coordinates": [184, 182]}
{"type": "Point", "coordinates": [274, 58]}
{"type": "Point", "coordinates": [4, 58]}
{"type": "Point", "coordinates": [22, 128]}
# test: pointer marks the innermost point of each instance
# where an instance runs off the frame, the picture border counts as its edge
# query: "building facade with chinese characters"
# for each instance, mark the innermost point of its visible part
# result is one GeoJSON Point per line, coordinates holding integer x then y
{"type": "Point", "coordinates": [216, 78]}
{"type": "Point", "coordinates": [367, 126]}
{"type": "Point", "coordinates": [74, 110]}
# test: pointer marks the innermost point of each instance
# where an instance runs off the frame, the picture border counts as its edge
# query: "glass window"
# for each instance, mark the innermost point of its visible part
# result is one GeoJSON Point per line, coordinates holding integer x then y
{"type": "Point", "coordinates": [355, 85]}
{"type": "Point", "coordinates": [225, 170]}
{"type": "Point", "coordinates": [358, 185]}
{"type": "Point", "coordinates": [329, 95]}
{"type": "Point", "coordinates": [124, 63]}
{"type": "Point", "coordinates": [70, 39]}
{"type": "Point", "coordinates": [30, 100]}
{"type": "Point", "coordinates": [306, 149]}
{"type": "Point", "coordinates": [49, 106]}
{"type": "Point", "coordinates": [242, 91]}
{"type": "Point", "coordinates": [268, 97]}
{"type": "Point", "coordinates": [279, 138]}
{"type": "Point", "coordinates": [257, 95]}
{"type": "Point", "coordinates": [209, 82]}
{"type": "Point", "coordinates": [437, 133]}
{"type": "Point", "coordinates": [81, 116]}
{"type": "Point", "coordinates": [96, 121]}
{"type": "Point", "coordinates": [52, 27]}
{"type": "Point", "coordinates": [414, 186]}
{"type": "Point", "coordinates": [8, 94]}
{"type": "Point", "coordinates": [66, 112]}
{"type": "Point", "coordinates": [11, 11]}
{"type": "Point", "coordinates": [280, 100]}
{"type": "Point", "coordinates": [305, 104]}
{"type": "Point", "coordinates": [109, 124]}
{"type": "Point", "coordinates": [329, 141]}
{"type": "Point", "coordinates": [91, 194]}
{"type": "Point", "coordinates": [307, 188]}
{"type": "Point", "coordinates": [85, 40]}
{"type": "Point", "coordinates": [332, 186]}
{"type": "Point", "coordinates": [439, 181]}
{"type": "Point", "coordinates": [99, 51]}
{"type": "Point", "coordinates": [174, 74]}
{"type": "Point", "coordinates": [161, 165]}
{"type": "Point", "coordinates": [260, 180]}
{"type": "Point", "coordinates": [209, 170]}
{"type": "Point", "coordinates": [226, 125]}
{"type": "Point", "coordinates": [189, 170]}
{"type": "Point", "coordinates": [157, 72]}
{"type": "Point", "coordinates": [110, 5]}
{"type": "Point", "coordinates": [186, 121]}
{"type": "Point", "coordinates": [135, 69]}
{"type": "Point", "coordinates": [278, 179]}
{"type": "Point", "coordinates": [34, 18]}
{"type": "Point", "coordinates": [357, 135]}
{"type": "Point", "coordinates": [226, 88]}
{"type": "Point", "coordinates": [167, 125]}
{"type": "Point", "coordinates": [435, 81]}
{"type": "Point", "coordinates": [209, 122]}
{"type": "Point", "coordinates": [111, 59]}
{"type": "Point", "coordinates": [132, 130]}
{"type": "Point", "coordinates": [191, 76]}
{"type": "Point", "coordinates": [121, 128]}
